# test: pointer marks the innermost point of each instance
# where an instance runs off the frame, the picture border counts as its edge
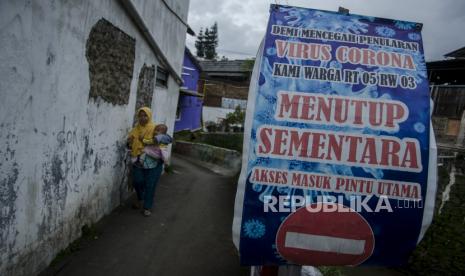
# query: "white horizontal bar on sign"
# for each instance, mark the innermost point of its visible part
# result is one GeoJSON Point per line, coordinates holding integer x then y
{"type": "Point", "coordinates": [324, 243]}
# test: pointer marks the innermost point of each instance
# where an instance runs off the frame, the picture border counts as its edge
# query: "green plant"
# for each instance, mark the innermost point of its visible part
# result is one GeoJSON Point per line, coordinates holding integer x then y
{"type": "Point", "coordinates": [168, 169]}
{"type": "Point", "coordinates": [206, 42]}
{"type": "Point", "coordinates": [331, 271]}
{"type": "Point", "coordinates": [236, 117]}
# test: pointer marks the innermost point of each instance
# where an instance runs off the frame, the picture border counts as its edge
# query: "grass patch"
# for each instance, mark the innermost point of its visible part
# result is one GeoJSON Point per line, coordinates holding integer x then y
{"type": "Point", "coordinates": [442, 250]}
{"type": "Point", "coordinates": [187, 135]}
{"type": "Point", "coordinates": [168, 169]}
{"type": "Point", "coordinates": [230, 140]}
{"type": "Point", "coordinates": [331, 271]}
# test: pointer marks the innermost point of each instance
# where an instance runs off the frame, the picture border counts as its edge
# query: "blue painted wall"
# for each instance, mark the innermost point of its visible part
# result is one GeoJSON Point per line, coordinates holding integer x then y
{"type": "Point", "coordinates": [190, 73]}
{"type": "Point", "coordinates": [190, 106]}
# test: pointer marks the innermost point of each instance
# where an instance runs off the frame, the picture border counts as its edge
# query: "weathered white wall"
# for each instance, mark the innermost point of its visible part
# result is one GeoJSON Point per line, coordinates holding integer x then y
{"type": "Point", "coordinates": [215, 114]}
{"type": "Point", "coordinates": [61, 159]}
{"type": "Point", "coordinates": [165, 101]}
{"type": "Point", "coordinates": [159, 20]}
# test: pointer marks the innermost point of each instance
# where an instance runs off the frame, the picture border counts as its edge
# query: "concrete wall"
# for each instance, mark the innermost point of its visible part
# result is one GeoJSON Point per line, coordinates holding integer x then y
{"type": "Point", "coordinates": [164, 27]}
{"type": "Point", "coordinates": [62, 142]}
{"type": "Point", "coordinates": [165, 101]}
{"type": "Point", "coordinates": [220, 160]}
{"type": "Point", "coordinates": [216, 90]}
{"type": "Point", "coordinates": [215, 114]}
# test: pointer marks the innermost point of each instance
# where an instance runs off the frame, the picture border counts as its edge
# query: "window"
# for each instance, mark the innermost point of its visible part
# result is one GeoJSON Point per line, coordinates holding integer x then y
{"type": "Point", "coordinates": [162, 77]}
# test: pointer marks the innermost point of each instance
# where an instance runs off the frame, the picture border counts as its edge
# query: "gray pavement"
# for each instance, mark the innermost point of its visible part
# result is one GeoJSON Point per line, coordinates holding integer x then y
{"type": "Point", "coordinates": [189, 232]}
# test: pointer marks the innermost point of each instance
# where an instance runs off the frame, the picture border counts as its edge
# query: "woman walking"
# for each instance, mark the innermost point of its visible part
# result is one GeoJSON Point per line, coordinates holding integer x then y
{"type": "Point", "coordinates": [146, 170]}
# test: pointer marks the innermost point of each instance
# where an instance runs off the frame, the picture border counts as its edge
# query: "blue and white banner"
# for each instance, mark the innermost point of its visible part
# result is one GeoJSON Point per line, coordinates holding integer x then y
{"type": "Point", "coordinates": [339, 163]}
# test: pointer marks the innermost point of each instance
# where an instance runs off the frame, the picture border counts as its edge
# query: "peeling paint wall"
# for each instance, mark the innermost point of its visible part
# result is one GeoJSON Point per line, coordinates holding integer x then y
{"type": "Point", "coordinates": [69, 79]}
{"type": "Point", "coordinates": [145, 86]}
{"type": "Point", "coordinates": [110, 53]}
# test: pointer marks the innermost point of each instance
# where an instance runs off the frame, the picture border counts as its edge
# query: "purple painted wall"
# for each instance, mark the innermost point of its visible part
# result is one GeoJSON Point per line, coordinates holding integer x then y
{"type": "Point", "coordinates": [191, 112]}
{"type": "Point", "coordinates": [190, 73]}
{"type": "Point", "coordinates": [190, 107]}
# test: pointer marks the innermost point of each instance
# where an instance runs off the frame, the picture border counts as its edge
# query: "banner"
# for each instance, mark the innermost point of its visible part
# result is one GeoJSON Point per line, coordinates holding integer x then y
{"type": "Point", "coordinates": [338, 148]}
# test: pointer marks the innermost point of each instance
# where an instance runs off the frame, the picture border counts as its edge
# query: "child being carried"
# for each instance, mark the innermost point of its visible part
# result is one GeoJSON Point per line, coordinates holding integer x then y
{"type": "Point", "coordinates": [159, 150]}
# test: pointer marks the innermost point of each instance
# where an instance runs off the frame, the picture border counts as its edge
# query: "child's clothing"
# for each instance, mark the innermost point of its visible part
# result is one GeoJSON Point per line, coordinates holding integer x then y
{"type": "Point", "coordinates": [145, 161]}
{"type": "Point", "coordinates": [163, 141]}
{"type": "Point", "coordinates": [159, 151]}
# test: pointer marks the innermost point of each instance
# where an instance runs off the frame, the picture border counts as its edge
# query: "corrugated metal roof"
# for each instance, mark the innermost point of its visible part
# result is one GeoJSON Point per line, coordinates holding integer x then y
{"type": "Point", "coordinates": [447, 64]}
{"type": "Point", "coordinates": [225, 66]}
{"type": "Point", "coordinates": [459, 53]}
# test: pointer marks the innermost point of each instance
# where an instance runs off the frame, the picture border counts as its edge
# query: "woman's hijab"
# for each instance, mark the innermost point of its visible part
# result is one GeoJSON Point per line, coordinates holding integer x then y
{"type": "Point", "coordinates": [141, 132]}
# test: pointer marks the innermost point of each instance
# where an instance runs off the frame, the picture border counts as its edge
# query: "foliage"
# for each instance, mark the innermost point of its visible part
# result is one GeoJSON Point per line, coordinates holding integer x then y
{"type": "Point", "coordinates": [185, 135]}
{"type": "Point", "coordinates": [207, 42]}
{"type": "Point", "coordinates": [236, 117]}
{"type": "Point", "coordinates": [231, 141]}
{"type": "Point", "coordinates": [211, 42]}
{"type": "Point", "coordinates": [331, 270]}
{"type": "Point", "coordinates": [442, 250]}
{"type": "Point", "coordinates": [168, 169]}
{"type": "Point", "coordinates": [210, 126]}
{"type": "Point", "coordinates": [199, 44]}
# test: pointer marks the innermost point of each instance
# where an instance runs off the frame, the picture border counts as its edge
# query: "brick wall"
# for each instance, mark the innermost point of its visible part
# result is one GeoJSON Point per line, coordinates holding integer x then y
{"type": "Point", "coordinates": [215, 91]}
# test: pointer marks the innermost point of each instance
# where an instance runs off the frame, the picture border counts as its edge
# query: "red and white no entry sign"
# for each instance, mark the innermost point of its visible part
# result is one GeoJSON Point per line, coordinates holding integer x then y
{"type": "Point", "coordinates": [325, 238]}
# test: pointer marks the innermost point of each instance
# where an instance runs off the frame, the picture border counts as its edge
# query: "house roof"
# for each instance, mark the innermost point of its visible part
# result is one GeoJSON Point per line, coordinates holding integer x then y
{"type": "Point", "coordinates": [226, 66]}
{"type": "Point", "coordinates": [459, 53]}
{"type": "Point", "coordinates": [447, 64]}
{"type": "Point", "coordinates": [449, 71]}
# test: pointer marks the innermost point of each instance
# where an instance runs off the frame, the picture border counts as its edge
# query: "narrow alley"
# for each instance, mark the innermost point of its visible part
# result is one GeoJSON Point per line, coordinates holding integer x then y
{"type": "Point", "coordinates": [189, 232]}
{"type": "Point", "coordinates": [306, 138]}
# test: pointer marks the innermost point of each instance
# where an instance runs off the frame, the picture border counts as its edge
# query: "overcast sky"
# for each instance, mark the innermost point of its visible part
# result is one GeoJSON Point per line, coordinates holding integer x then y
{"type": "Point", "coordinates": [242, 23]}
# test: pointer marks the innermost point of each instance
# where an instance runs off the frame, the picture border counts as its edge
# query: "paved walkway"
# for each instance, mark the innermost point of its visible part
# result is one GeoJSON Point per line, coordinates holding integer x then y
{"type": "Point", "coordinates": [189, 232]}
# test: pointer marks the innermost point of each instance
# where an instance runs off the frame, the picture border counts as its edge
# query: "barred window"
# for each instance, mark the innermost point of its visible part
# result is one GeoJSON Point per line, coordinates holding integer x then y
{"type": "Point", "coordinates": [162, 77]}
